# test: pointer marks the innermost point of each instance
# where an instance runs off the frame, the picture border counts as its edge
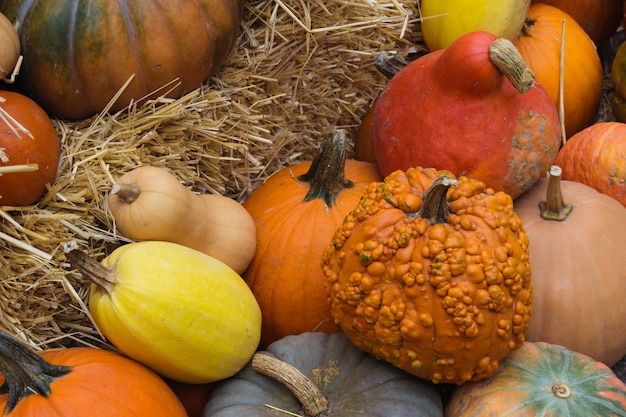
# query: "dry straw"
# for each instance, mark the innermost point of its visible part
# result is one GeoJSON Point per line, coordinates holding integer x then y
{"type": "Point", "coordinates": [300, 69]}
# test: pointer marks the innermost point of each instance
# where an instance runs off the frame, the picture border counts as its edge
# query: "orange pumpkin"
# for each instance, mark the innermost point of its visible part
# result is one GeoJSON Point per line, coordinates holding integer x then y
{"type": "Point", "coordinates": [296, 211]}
{"type": "Point", "coordinates": [540, 45]}
{"type": "Point", "coordinates": [576, 237]}
{"type": "Point", "coordinates": [432, 275]}
{"type": "Point", "coordinates": [596, 156]}
{"type": "Point", "coordinates": [29, 150]}
{"type": "Point", "coordinates": [80, 381]}
{"type": "Point", "coordinates": [599, 19]}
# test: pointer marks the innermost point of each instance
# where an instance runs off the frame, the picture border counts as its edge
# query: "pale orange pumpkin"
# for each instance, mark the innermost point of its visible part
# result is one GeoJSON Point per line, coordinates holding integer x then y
{"type": "Point", "coordinates": [540, 46]}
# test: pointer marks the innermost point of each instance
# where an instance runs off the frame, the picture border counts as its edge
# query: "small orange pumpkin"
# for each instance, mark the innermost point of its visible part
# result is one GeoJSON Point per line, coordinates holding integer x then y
{"type": "Point", "coordinates": [432, 275]}
{"type": "Point", "coordinates": [80, 381]}
{"type": "Point", "coordinates": [596, 156]}
{"type": "Point", "coordinates": [29, 150]}
{"type": "Point", "coordinates": [296, 211]}
{"type": "Point", "coordinates": [540, 46]}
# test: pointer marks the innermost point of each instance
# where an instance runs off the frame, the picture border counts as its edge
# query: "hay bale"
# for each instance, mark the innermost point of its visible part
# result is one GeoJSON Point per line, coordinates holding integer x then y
{"type": "Point", "coordinates": [300, 69]}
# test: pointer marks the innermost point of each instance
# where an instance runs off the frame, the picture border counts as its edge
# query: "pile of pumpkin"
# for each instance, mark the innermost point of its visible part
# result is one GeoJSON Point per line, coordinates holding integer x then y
{"type": "Point", "coordinates": [366, 286]}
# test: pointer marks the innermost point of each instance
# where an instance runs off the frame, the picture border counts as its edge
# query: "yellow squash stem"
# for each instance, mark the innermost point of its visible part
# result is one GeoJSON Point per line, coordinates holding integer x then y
{"type": "Point", "coordinates": [24, 371]}
{"type": "Point", "coordinates": [92, 269]}
{"type": "Point", "coordinates": [312, 399]}
{"type": "Point", "coordinates": [554, 207]}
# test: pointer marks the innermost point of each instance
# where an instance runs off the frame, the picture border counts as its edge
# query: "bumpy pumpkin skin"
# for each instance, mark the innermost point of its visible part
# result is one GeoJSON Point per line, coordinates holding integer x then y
{"type": "Point", "coordinates": [542, 379]}
{"type": "Point", "coordinates": [17, 147]}
{"type": "Point", "coordinates": [596, 156]}
{"type": "Point", "coordinates": [453, 109]}
{"type": "Point", "coordinates": [101, 384]}
{"type": "Point", "coordinates": [79, 53]}
{"type": "Point", "coordinates": [354, 382]}
{"type": "Point", "coordinates": [446, 302]}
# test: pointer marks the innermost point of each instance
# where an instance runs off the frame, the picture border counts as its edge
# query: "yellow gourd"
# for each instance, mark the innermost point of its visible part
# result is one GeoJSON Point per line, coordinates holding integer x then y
{"type": "Point", "coordinates": [178, 311]}
{"type": "Point", "coordinates": [149, 203]}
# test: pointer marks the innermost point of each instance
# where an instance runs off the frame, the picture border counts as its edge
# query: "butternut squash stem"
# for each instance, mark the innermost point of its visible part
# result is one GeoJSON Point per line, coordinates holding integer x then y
{"type": "Point", "coordinates": [505, 56]}
{"type": "Point", "coordinates": [312, 399]}
{"type": "Point", "coordinates": [91, 269]}
{"type": "Point", "coordinates": [326, 175]}
{"type": "Point", "coordinates": [554, 207]}
{"type": "Point", "coordinates": [128, 193]}
{"type": "Point", "coordinates": [435, 206]}
{"type": "Point", "coordinates": [24, 371]}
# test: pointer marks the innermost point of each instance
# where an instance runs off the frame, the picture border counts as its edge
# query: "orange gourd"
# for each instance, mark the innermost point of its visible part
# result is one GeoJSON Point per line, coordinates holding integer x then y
{"type": "Point", "coordinates": [80, 381]}
{"type": "Point", "coordinates": [596, 156]}
{"type": "Point", "coordinates": [9, 47]}
{"type": "Point", "coordinates": [432, 275]}
{"type": "Point", "coordinates": [30, 150]}
{"type": "Point", "coordinates": [540, 45]}
{"type": "Point", "coordinates": [296, 211]}
{"type": "Point", "coordinates": [150, 203]}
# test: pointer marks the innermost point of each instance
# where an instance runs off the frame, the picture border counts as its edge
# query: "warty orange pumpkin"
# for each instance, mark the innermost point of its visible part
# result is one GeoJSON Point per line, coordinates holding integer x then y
{"type": "Point", "coordinates": [79, 381]}
{"type": "Point", "coordinates": [296, 211]}
{"type": "Point", "coordinates": [432, 274]}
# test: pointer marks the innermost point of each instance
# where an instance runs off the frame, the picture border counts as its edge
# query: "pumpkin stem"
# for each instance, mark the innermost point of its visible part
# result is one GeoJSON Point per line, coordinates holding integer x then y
{"type": "Point", "coordinates": [312, 399]}
{"type": "Point", "coordinates": [24, 371]}
{"type": "Point", "coordinates": [554, 207]}
{"type": "Point", "coordinates": [435, 206]}
{"type": "Point", "coordinates": [91, 269]}
{"type": "Point", "coordinates": [128, 193]}
{"type": "Point", "coordinates": [326, 175]}
{"type": "Point", "coordinates": [505, 56]}
{"type": "Point", "coordinates": [561, 390]}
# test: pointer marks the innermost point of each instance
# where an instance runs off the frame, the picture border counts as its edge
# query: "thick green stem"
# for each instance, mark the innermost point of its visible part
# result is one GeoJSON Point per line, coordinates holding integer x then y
{"type": "Point", "coordinates": [554, 207]}
{"type": "Point", "coordinates": [91, 269]}
{"type": "Point", "coordinates": [24, 371]}
{"type": "Point", "coordinates": [326, 175]}
{"type": "Point", "coordinates": [435, 207]}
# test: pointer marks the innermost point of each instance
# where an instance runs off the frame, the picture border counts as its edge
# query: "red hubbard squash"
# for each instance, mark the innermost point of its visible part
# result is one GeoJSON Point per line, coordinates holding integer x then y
{"type": "Point", "coordinates": [542, 379]}
{"type": "Point", "coordinates": [599, 19]}
{"type": "Point", "coordinates": [29, 150]}
{"type": "Point", "coordinates": [540, 45]}
{"type": "Point", "coordinates": [596, 156]}
{"type": "Point", "coordinates": [79, 54]}
{"type": "Point", "coordinates": [79, 381]}
{"type": "Point", "coordinates": [296, 211]}
{"type": "Point", "coordinates": [576, 237]}
{"type": "Point", "coordinates": [432, 275]}
{"type": "Point", "coordinates": [457, 109]}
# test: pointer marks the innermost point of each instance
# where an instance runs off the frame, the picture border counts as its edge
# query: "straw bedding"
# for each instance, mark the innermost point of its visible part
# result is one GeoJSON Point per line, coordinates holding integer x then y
{"type": "Point", "coordinates": [300, 69]}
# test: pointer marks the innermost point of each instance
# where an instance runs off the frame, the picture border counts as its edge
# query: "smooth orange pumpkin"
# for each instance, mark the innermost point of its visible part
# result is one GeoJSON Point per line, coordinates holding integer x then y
{"type": "Point", "coordinates": [576, 237]}
{"type": "Point", "coordinates": [540, 45]}
{"type": "Point", "coordinates": [473, 109]}
{"type": "Point", "coordinates": [596, 156]}
{"type": "Point", "coordinates": [296, 211]}
{"type": "Point", "coordinates": [432, 274]}
{"type": "Point", "coordinates": [599, 19]}
{"type": "Point", "coordinates": [80, 381]}
{"type": "Point", "coordinates": [29, 150]}
{"type": "Point", "coordinates": [79, 54]}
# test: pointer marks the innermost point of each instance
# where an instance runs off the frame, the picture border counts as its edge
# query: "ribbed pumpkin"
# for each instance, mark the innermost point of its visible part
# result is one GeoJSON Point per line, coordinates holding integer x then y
{"type": "Point", "coordinates": [542, 379]}
{"type": "Point", "coordinates": [473, 109]}
{"type": "Point", "coordinates": [79, 53]}
{"type": "Point", "coordinates": [296, 211]}
{"type": "Point", "coordinates": [596, 156]}
{"type": "Point", "coordinates": [432, 274]}
{"type": "Point", "coordinates": [576, 237]}
{"type": "Point", "coordinates": [334, 378]}
{"type": "Point", "coordinates": [79, 381]}
{"type": "Point", "coordinates": [540, 45]}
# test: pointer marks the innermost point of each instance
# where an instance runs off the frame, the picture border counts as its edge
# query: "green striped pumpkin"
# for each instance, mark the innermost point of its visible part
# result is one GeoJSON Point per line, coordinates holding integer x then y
{"type": "Point", "coordinates": [542, 380]}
